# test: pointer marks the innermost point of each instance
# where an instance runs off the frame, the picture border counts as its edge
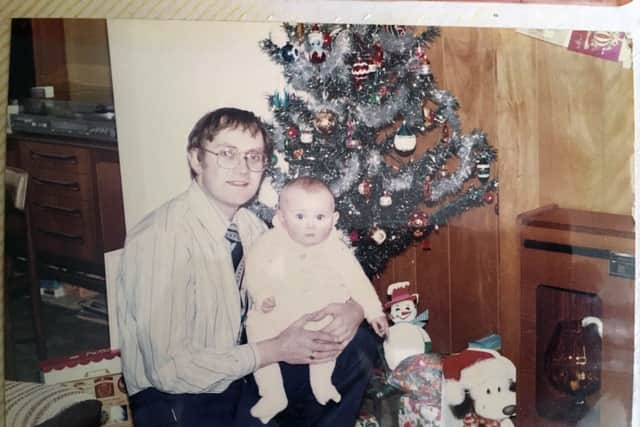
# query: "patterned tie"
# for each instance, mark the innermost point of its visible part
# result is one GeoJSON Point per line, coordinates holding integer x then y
{"type": "Point", "coordinates": [233, 237]}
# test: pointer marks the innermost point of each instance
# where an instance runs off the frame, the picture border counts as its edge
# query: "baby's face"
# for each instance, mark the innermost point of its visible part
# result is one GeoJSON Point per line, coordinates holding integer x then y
{"type": "Point", "coordinates": [308, 217]}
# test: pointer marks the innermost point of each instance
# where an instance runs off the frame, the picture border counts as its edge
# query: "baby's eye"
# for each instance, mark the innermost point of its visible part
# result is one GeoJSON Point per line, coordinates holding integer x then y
{"type": "Point", "coordinates": [320, 217]}
{"type": "Point", "coordinates": [299, 216]}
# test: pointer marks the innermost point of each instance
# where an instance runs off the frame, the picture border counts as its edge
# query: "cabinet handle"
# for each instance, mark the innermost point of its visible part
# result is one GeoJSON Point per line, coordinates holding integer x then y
{"type": "Point", "coordinates": [60, 235]}
{"type": "Point", "coordinates": [67, 184]}
{"type": "Point", "coordinates": [52, 156]}
{"type": "Point", "coordinates": [68, 211]}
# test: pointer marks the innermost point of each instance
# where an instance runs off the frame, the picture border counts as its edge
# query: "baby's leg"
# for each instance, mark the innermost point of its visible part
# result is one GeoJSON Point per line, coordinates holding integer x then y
{"type": "Point", "coordinates": [320, 380]}
{"type": "Point", "coordinates": [271, 388]}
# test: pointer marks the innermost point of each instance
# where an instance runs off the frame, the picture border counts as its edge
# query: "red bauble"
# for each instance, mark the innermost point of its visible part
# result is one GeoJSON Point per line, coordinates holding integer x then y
{"type": "Point", "coordinates": [383, 90]}
{"type": "Point", "coordinates": [292, 132]}
{"type": "Point", "coordinates": [418, 220]}
{"type": "Point", "coordinates": [445, 133]}
{"type": "Point", "coordinates": [364, 188]}
{"type": "Point", "coordinates": [354, 236]}
{"type": "Point", "coordinates": [326, 40]}
{"type": "Point", "coordinates": [487, 197]}
{"type": "Point", "coordinates": [426, 189]}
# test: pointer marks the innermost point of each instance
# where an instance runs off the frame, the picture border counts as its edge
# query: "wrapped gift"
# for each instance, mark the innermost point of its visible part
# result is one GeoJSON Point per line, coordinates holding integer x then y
{"type": "Point", "coordinates": [366, 420]}
{"type": "Point", "coordinates": [420, 379]}
{"type": "Point", "coordinates": [98, 373]}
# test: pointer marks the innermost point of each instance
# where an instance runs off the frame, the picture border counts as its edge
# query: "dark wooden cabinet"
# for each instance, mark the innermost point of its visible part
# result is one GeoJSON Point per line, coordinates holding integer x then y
{"type": "Point", "coordinates": [75, 201]}
{"type": "Point", "coordinates": [576, 264]}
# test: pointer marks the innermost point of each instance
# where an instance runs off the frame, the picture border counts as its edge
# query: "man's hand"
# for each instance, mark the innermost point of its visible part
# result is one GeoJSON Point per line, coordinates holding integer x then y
{"type": "Point", "coordinates": [296, 345]}
{"type": "Point", "coordinates": [346, 319]}
{"type": "Point", "coordinates": [268, 304]}
{"type": "Point", "coordinates": [380, 325]}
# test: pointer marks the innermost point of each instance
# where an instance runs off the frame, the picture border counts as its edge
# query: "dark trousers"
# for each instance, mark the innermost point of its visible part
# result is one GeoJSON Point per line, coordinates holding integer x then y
{"type": "Point", "coordinates": [152, 408]}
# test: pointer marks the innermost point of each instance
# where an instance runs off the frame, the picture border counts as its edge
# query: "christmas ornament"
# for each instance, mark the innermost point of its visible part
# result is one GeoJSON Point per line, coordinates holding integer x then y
{"type": "Point", "coordinates": [396, 30]}
{"type": "Point", "coordinates": [324, 122]}
{"type": "Point", "coordinates": [297, 154]}
{"type": "Point", "coordinates": [378, 235]}
{"type": "Point", "coordinates": [487, 197]}
{"type": "Point", "coordinates": [364, 188]}
{"type": "Point", "coordinates": [418, 221]}
{"type": "Point", "coordinates": [426, 189]}
{"type": "Point", "coordinates": [383, 91]}
{"type": "Point", "coordinates": [377, 57]}
{"type": "Point", "coordinates": [406, 337]}
{"type": "Point", "coordinates": [280, 100]}
{"type": "Point", "coordinates": [289, 52]}
{"type": "Point", "coordinates": [317, 52]}
{"type": "Point", "coordinates": [405, 140]}
{"type": "Point", "coordinates": [354, 236]}
{"type": "Point", "coordinates": [385, 199]}
{"type": "Point", "coordinates": [306, 134]}
{"type": "Point", "coordinates": [300, 32]}
{"type": "Point", "coordinates": [483, 170]}
{"type": "Point", "coordinates": [292, 132]}
{"type": "Point", "coordinates": [353, 143]}
{"type": "Point", "coordinates": [429, 117]}
{"type": "Point", "coordinates": [360, 71]}
{"type": "Point", "coordinates": [444, 171]}
{"type": "Point", "coordinates": [425, 67]}
{"type": "Point", "coordinates": [445, 133]}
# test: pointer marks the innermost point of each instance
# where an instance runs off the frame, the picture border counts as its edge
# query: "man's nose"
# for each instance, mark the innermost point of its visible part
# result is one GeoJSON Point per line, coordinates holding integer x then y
{"type": "Point", "coordinates": [242, 165]}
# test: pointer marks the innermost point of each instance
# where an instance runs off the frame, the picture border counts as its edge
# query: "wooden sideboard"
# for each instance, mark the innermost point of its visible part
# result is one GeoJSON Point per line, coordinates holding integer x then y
{"type": "Point", "coordinates": [576, 264]}
{"type": "Point", "coordinates": [75, 203]}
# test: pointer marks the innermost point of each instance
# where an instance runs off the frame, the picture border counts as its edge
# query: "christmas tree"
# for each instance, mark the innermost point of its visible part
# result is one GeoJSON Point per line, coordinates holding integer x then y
{"type": "Point", "coordinates": [357, 97]}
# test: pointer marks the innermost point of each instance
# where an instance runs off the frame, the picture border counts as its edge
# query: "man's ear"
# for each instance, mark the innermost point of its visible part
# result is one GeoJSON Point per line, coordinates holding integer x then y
{"type": "Point", "coordinates": [336, 215]}
{"type": "Point", "coordinates": [278, 221]}
{"type": "Point", "coordinates": [194, 161]}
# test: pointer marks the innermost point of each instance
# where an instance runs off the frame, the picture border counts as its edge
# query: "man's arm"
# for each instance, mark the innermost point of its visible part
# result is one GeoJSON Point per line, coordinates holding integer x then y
{"type": "Point", "coordinates": [160, 287]}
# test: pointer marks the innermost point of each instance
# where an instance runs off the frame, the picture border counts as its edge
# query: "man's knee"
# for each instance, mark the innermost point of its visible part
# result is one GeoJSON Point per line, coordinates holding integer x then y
{"type": "Point", "coordinates": [362, 352]}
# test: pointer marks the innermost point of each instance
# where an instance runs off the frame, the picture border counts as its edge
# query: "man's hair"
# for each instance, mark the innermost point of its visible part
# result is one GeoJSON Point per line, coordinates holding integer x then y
{"type": "Point", "coordinates": [209, 125]}
{"type": "Point", "coordinates": [305, 183]}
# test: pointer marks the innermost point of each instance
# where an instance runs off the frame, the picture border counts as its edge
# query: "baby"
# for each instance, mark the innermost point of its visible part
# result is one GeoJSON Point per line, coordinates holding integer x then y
{"type": "Point", "coordinates": [298, 267]}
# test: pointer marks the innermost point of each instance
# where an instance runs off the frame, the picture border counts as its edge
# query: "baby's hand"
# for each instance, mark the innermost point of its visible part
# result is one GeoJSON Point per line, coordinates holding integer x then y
{"type": "Point", "coordinates": [380, 325]}
{"type": "Point", "coordinates": [268, 304]}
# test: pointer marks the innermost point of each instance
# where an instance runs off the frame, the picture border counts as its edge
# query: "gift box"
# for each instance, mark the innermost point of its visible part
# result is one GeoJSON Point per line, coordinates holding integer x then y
{"type": "Point", "coordinates": [98, 373]}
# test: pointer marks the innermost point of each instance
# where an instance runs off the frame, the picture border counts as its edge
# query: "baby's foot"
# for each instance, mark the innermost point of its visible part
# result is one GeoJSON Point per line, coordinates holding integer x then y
{"type": "Point", "coordinates": [325, 393]}
{"type": "Point", "coordinates": [268, 407]}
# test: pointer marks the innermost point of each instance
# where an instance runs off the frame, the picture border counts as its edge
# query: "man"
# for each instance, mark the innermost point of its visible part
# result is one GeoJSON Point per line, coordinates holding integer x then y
{"type": "Point", "coordinates": [181, 303]}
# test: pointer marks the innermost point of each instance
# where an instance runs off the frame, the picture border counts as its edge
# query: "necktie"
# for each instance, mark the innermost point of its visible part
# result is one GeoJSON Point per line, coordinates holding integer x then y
{"type": "Point", "coordinates": [233, 237]}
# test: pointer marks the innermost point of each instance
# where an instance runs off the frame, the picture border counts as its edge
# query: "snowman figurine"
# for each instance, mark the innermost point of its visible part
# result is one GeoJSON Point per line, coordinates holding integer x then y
{"type": "Point", "coordinates": [406, 337]}
{"type": "Point", "coordinates": [317, 46]}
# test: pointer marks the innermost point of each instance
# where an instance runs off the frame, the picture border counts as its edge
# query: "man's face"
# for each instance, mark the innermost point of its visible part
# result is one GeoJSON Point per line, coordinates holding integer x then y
{"type": "Point", "coordinates": [229, 188]}
{"type": "Point", "coordinates": [308, 217]}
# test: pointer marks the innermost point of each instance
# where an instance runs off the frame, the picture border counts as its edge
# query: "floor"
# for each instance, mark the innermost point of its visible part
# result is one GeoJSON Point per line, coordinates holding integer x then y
{"type": "Point", "coordinates": [66, 334]}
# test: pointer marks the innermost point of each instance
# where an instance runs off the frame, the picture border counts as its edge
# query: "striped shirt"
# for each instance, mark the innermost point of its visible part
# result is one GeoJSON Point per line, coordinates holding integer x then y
{"type": "Point", "coordinates": [177, 298]}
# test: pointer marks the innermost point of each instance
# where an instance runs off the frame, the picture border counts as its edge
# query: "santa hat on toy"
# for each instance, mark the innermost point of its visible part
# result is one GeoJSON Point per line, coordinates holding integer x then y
{"type": "Point", "coordinates": [399, 291]}
{"type": "Point", "coordinates": [471, 367]}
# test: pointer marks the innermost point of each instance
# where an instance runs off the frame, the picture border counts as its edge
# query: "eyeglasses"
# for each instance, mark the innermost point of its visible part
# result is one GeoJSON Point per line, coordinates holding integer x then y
{"type": "Point", "coordinates": [229, 158]}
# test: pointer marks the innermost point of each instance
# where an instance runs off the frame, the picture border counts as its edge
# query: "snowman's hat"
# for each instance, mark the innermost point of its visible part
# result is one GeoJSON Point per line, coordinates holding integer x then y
{"type": "Point", "coordinates": [399, 291]}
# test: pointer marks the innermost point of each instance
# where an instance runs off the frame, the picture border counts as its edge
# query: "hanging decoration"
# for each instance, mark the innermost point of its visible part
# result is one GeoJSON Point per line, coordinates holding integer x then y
{"type": "Point", "coordinates": [405, 140]}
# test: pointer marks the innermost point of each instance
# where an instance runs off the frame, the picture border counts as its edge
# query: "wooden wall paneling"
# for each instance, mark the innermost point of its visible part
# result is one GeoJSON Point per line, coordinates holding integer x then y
{"type": "Point", "coordinates": [432, 267]}
{"type": "Point", "coordinates": [88, 64]}
{"type": "Point", "coordinates": [470, 76]}
{"type": "Point", "coordinates": [614, 193]}
{"type": "Point", "coordinates": [571, 129]}
{"type": "Point", "coordinates": [49, 55]}
{"type": "Point", "coordinates": [518, 147]}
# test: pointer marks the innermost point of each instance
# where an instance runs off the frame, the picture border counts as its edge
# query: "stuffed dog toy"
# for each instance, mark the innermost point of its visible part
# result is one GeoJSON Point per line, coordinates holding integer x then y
{"type": "Point", "coordinates": [479, 389]}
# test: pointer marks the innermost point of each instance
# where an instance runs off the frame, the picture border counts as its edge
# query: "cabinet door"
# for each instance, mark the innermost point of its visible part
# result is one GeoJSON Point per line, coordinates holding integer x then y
{"type": "Point", "coordinates": [110, 205]}
{"type": "Point", "coordinates": [49, 55]}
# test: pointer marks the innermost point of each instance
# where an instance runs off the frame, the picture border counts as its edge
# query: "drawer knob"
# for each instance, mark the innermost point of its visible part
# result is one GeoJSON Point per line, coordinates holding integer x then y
{"type": "Point", "coordinates": [67, 211]}
{"type": "Point", "coordinates": [60, 235]}
{"type": "Point", "coordinates": [66, 184]}
{"type": "Point", "coordinates": [54, 156]}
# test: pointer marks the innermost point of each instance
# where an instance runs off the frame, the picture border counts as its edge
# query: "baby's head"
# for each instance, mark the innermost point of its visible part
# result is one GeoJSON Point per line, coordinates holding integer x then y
{"type": "Point", "coordinates": [306, 209]}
